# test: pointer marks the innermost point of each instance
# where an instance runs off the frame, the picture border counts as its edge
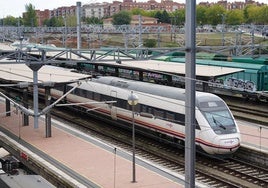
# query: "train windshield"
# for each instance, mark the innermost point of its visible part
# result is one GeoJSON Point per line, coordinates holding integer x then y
{"type": "Point", "coordinates": [219, 117]}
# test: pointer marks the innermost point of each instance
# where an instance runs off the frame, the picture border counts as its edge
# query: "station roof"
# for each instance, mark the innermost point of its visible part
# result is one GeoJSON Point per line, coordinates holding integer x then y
{"type": "Point", "coordinates": [18, 72]}
{"type": "Point", "coordinates": [204, 72]}
{"type": "Point", "coordinates": [175, 68]}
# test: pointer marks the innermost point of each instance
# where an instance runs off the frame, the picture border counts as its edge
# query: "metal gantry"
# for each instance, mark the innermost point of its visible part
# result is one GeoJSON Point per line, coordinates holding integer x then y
{"type": "Point", "coordinates": [243, 42]}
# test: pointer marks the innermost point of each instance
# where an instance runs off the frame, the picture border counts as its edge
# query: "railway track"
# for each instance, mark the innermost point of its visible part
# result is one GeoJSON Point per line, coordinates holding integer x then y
{"type": "Point", "coordinates": [213, 172]}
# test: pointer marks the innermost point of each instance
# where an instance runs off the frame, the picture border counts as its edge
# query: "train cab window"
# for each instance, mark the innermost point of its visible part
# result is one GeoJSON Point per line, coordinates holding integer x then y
{"type": "Point", "coordinates": [220, 121]}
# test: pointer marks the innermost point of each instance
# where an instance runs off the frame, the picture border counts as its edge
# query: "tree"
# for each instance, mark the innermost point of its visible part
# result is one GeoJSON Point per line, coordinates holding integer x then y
{"type": "Point", "coordinates": [165, 18]}
{"type": "Point", "coordinates": [149, 43]}
{"type": "Point", "coordinates": [93, 20]}
{"type": "Point", "coordinates": [162, 16]}
{"type": "Point", "coordinates": [138, 11]}
{"type": "Point", "coordinates": [151, 13]}
{"type": "Point", "coordinates": [158, 16]}
{"type": "Point", "coordinates": [30, 18]}
{"type": "Point", "coordinates": [252, 14]}
{"type": "Point", "coordinates": [201, 15]}
{"type": "Point", "coordinates": [215, 14]}
{"type": "Point", "coordinates": [264, 15]}
{"type": "Point", "coordinates": [179, 17]}
{"type": "Point", "coordinates": [122, 18]}
{"type": "Point", "coordinates": [54, 22]}
{"type": "Point", "coordinates": [246, 16]}
{"type": "Point", "coordinates": [71, 21]}
{"type": "Point", "coordinates": [11, 21]}
{"type": "Point", "coordinates": [234, 17]}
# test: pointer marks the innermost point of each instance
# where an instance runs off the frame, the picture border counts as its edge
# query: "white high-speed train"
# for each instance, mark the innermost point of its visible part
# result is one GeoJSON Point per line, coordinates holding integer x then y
{"type": "Point", "coordinates": [216, 129]}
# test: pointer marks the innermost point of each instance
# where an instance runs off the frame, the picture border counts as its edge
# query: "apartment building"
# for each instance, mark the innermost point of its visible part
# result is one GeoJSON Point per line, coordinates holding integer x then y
{"type": "Point", "coordinates": [102, 10]}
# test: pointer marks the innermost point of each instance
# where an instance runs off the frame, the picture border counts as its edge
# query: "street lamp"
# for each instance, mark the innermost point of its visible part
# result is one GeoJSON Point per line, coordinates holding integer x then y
{"type": "Point", "coordinates": [133, 100]}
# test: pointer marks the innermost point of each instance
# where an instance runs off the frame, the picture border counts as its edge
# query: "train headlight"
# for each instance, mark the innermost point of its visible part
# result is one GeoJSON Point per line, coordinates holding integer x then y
{"type": "Point", "coordinates": [233, 130]}
{"type": "Point", "coordinates": [229, 142]}
{"type": "Point", "coordinates": [225, 131]}
{"type": "Point", "coordinates": [218, 131]}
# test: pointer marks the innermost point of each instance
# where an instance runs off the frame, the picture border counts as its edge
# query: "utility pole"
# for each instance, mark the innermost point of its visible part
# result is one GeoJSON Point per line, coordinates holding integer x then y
{"type": "Point", "coordinates": [78, 29]}
{"type": "Point", "coordinates": [190, 48]}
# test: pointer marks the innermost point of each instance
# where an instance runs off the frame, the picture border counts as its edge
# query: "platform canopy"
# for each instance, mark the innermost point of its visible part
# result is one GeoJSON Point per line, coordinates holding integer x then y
{"type": "Point", "coordinates": [17, 72]}
{"type": "Point", "coordinates": [179, 68]}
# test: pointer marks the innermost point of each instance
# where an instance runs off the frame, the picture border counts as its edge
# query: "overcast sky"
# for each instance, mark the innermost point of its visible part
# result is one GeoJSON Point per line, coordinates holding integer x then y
{"type": "Point", "coordinates": [17, 7]}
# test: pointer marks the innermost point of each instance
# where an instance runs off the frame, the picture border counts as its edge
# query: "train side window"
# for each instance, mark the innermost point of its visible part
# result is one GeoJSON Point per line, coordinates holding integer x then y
{"type": "Point", "coordinates": [138, 108]}
{"type": "Point", "coordinates": [170, 116]}
{"type": "Point", "coordinates": [89, 95]}
{"type": "Point", "coordinates": [180, 118]}
{"type": "Point", "coordinates": [158, 113]}
{"type": "Point", "coordinates": [143, 108]}
{"type": "Point", "coordinates": [106, 98]}
{"type": "Point", "coordinates": [84, 93]}
{"type": "Point", "coordinates": [60, 88]}
{"type": "Point", "coordinates": [97, 96]}
{"type": "Point", "coordinates": [128, 107]}
{"type": "Point", "coordinates": [120, 103]}
{"type": "Point", "coordinates": [67, 88]}
{"type": "Point", "coordinates": [77, 91]}
{"type": "Point", "coordinates": [150, 110]}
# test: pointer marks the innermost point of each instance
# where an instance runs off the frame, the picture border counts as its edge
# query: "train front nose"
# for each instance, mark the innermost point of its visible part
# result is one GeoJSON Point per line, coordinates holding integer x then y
{"type": "Point", "coordinates": [229, 145]}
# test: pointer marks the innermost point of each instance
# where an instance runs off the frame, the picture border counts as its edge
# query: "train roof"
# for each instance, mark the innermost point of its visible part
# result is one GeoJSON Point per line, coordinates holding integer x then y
{"type": "Point", "coordinates": [150, 88]}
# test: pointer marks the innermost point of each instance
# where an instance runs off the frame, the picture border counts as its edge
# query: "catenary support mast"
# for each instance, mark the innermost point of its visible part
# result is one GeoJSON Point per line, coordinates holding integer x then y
{"type": "Point", "coordinates": [190, 36]}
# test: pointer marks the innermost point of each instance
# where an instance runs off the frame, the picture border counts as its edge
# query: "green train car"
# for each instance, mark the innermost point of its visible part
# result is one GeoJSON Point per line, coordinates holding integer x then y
{"type": "Point", "coordinates": [259, 60]}
{"type": "Point", "coordinates": [254, 78]}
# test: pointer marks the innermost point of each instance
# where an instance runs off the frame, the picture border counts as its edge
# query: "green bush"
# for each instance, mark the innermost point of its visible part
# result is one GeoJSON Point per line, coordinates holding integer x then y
{"type": "Point", "coordinates": [149, 43]}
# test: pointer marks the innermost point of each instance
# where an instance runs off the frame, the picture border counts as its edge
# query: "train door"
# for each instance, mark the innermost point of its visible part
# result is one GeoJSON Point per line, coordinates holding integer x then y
{"type": "Point", "coordinates": [113, 107]}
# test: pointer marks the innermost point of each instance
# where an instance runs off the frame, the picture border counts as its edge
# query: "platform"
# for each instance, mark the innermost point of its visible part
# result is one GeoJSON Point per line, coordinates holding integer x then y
{"type": "Point", "coordinates": [98, 162]}
{"type": "Point", "coordinates": [254, 136]}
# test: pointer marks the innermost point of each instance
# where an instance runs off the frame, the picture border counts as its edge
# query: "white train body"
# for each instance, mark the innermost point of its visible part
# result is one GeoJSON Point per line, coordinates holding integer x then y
{"type": "Point", "coordinates": [216, 130]}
